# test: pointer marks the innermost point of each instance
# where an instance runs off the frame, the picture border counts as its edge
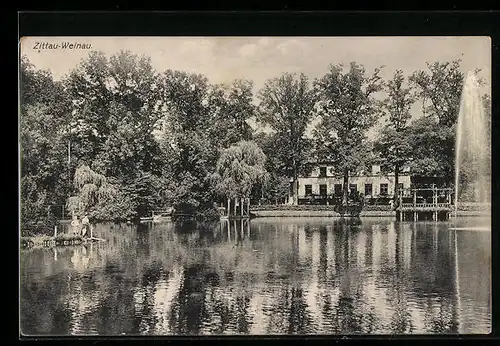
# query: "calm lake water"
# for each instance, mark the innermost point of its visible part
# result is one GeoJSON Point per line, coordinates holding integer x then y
{"type": "Point", "coordinates": [274, 276]}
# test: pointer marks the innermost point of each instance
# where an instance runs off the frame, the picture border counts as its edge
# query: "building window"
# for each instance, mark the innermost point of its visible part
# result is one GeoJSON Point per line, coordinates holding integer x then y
{"type": "Point", "coordinates": [384, 189]}
{"type": "Point", "coordinates": [353, 188]}
{"type": "Point", "coordinates": [309, 190]}
{"type": "Point", "coordinates": [322, 171]}
{"type": "Point", "coordinates": [368, 189]}
{"type": "Point", "coordinates": [338, 189]}
{"type": "Point", "coordinates": [322, 190]}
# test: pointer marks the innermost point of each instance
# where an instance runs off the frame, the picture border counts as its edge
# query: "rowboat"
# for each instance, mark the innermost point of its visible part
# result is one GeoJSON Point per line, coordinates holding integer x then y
{"type": "Point", "coordinates": [158, 216]}
{"type": "Point", "coordinates": [93, 239]}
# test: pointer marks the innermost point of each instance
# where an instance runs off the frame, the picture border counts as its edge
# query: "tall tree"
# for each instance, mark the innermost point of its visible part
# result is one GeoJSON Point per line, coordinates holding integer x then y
{"type": "Point", "coordinates": [186, 99]}
{"type": "Point", "coordinates": [347, 110]}
{"type": "Point", "coordinates": [276, 185]}
{"type": "Point", "coordinates": [118, 103]}
{"type": "Point", "coordinates": [188, 148]}
{"type": "Point", "coordinates": [44, 111]}
{"type": "Point", "coordinates": [286, 106]}
{"type": "Point", "coordinates": [88, 86]}
{"type": "Point", "coordinates": [393, 143]}
{"type": "Point", "coordinates": [231, 107]}
{"type": "Point", "coordinates": [440, 89]}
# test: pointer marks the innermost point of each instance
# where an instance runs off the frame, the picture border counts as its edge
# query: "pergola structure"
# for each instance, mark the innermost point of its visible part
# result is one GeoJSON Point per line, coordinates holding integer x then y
{"type": "Point", "coordinates": [433, 200]}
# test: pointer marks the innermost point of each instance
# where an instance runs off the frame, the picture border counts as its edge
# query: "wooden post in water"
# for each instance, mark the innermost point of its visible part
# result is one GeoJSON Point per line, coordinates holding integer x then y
{"type": "Point", "coordinates": [241, 206]}
{"type": "Point", "coordinates": [228, 206]}
{"type": "Point", "coordinates": [235, 207]}
{"type": "Point", "coordinates": [235, 230]}
{"type": "Point", "coordinates": [248, 207]}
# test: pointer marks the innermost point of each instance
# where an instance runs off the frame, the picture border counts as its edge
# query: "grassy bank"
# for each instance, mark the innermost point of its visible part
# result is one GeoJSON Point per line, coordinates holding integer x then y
{"type": "Point", "coordinates": [306, 207]}
{"type": "Point", "coordinates": [315, 213]}
{"type": "Point", "coordinates": [328, 210]}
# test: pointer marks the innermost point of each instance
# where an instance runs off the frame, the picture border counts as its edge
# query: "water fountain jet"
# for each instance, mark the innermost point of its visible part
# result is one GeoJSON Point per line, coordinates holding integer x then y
{"type": "Point", "coordinates": [472, 151]}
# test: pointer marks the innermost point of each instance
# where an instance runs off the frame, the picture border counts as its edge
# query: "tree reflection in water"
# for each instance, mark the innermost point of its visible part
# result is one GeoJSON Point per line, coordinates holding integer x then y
{"type": "Point", "coordinates": [296, 276]}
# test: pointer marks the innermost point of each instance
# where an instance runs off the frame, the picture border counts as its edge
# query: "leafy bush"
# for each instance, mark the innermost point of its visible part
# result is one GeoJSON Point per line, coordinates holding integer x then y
{"type": "Point", "coordinates": [349, 209]}
{"type": "Point", "coordinates": [353, 207]}
{"type": "Point", "coordinates": [119, 207]}
{"type": "Point", "coordinates": [473, 207]}
{"type": "Point", "coordinates": [44, 225]}
{"type": "Point", "coordinates": [207, 215]}
{"type": "Point", "coordinates": [377, 207]}
{"type": "Point", "coordinates": [380, 200]}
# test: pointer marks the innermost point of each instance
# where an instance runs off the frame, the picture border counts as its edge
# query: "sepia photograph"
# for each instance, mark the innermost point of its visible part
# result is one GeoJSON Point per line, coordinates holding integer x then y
{"type": "Point", "coordinates": [233, 185]}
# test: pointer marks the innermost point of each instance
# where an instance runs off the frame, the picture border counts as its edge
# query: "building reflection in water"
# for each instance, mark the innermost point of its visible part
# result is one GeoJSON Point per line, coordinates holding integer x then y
{"type": "Point", "coordinates": [264, 276]}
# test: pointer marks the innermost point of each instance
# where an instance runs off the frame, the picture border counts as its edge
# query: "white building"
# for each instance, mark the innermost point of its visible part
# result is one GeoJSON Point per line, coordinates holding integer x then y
{"type": "Point", "coordinates": [375, 184]}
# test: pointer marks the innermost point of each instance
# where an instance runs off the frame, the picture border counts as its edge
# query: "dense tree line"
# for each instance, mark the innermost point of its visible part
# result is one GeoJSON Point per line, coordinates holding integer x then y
{"type": "Point", "coordinates": [117, 139]}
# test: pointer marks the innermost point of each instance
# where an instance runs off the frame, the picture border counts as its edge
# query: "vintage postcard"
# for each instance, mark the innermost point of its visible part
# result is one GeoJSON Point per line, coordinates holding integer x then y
{"type": "Point", "coordinates": [255, 185]}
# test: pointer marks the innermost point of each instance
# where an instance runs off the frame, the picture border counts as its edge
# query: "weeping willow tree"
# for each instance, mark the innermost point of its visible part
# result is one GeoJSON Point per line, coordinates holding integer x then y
{"type": "Point", "coordinates": [238, 169]}
{"type": "Point", "coordinates": [92, 188]}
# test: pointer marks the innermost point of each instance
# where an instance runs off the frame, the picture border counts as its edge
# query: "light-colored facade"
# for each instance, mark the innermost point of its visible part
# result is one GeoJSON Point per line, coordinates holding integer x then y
{"type": "Point", "coordinates": [322, 182]}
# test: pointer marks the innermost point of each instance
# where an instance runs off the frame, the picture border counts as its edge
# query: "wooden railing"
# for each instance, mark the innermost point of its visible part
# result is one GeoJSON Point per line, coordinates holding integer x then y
{"type": "Point", "coordinates": [425, 205]}
{"type": "Point", "coordinates": [444, 205]}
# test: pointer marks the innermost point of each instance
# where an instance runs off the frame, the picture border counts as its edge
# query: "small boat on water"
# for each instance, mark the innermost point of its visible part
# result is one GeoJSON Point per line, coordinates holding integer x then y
{"type": "Point", "coordinates": [159, 216]}
{"type": "Point", "coordinates": [93, 239]}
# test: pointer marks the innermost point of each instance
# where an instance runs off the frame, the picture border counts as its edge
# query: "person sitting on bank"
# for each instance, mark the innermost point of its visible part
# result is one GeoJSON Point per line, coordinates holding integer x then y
{"type": "Point", "coordinates": [75, 223]}
{"type": "Point", "coordinates": [86, 226]}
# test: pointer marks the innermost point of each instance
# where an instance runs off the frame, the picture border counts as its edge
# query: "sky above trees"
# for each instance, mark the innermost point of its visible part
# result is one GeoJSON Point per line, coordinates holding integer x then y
{"type": "Point", "coordinates": [223, 59]}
